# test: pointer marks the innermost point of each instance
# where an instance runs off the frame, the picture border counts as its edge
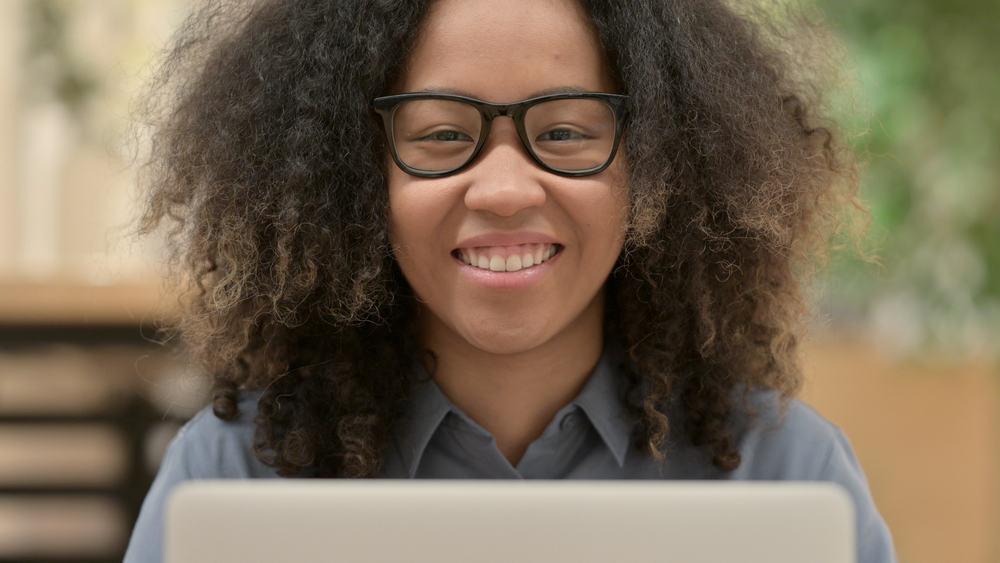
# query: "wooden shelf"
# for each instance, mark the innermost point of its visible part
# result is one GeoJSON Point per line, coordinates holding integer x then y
{"type": "Point", "coordinates": [64, 301]}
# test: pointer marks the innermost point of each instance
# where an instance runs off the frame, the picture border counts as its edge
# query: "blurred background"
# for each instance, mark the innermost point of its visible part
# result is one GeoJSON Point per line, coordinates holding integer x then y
{"type": "Point", "coordinates": [903, 354]}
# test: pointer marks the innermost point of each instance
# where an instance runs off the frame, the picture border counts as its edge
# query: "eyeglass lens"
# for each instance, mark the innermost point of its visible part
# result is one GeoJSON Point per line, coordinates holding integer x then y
{"type": "Point", "coordinates": [566, 134]}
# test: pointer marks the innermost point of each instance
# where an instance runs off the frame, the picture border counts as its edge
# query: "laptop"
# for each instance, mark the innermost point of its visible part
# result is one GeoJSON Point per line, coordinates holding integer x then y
{"type": "Point", "coordinates": [446, 521]}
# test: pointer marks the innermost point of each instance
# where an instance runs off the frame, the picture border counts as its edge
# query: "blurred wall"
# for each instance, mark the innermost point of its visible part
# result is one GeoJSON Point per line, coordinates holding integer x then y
{"type": "Point", "coordinates": [10, 70]}
{"type": "Point", "coordinates": [926, 431]}
{"type": "Point", "coordinates": [71, 70]}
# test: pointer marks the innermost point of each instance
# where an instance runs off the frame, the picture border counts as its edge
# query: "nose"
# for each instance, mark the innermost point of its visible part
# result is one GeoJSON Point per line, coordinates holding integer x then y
{"type": "Point", "coordinates": [504, 179]}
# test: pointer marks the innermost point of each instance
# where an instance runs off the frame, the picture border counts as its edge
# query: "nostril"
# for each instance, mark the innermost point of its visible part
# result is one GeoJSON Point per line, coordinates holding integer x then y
{"type": "Point", "coordinates": [504, 190]}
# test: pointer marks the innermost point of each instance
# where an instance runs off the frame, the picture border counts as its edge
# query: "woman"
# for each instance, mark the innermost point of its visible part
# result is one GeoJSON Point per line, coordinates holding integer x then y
{"type": "Point", "coordinates": [518, 238]}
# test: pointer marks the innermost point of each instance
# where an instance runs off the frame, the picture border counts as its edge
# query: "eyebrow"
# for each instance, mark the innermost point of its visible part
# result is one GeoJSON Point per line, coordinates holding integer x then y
{"type": "Point", "coordinates": [545, 92]}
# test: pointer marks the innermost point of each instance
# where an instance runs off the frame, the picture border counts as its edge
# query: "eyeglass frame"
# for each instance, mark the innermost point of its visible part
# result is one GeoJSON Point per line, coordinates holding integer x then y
{"type": "Point", "coordinates": [386, 106]}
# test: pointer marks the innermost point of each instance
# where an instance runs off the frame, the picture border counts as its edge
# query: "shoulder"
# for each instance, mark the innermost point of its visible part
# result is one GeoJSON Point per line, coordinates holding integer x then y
{"type": "Point", "coordinates": [204, 448]}
{"type": "Point", "coordinates": [785, 442]}
{"type": "Point", "coordinates": [799, 444]}
{"type": "Point", "coordinates": [208, 447]}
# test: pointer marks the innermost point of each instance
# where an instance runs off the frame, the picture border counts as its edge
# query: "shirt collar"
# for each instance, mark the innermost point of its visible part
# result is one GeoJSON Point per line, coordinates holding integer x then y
{"type": "Point", "coordinates": [426, 409]}
{"type": "Point", "coordinates": [600, 399]}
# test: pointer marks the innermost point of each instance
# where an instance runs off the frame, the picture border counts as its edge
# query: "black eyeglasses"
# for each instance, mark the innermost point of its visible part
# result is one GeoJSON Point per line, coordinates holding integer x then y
{"type": "Point", "coordinates": [434, 135]}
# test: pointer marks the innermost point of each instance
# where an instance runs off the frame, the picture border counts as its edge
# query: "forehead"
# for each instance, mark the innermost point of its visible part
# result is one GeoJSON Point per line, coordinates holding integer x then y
{"type": "Point", "coordinates": [506, 50]}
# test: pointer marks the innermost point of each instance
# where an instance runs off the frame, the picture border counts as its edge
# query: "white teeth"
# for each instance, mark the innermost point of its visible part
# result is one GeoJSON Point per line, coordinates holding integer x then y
{"type": "Point", "coordinates": [498, 264]}
{"type": "Point", "coordinates": [513, 263]}
{"type": "Point", "coordinates": [531, 255]}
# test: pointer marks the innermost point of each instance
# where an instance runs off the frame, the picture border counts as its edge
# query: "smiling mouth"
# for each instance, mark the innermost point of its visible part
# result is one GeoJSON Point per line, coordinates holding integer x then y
{"type": "Point", "coordinates": [507, 258]}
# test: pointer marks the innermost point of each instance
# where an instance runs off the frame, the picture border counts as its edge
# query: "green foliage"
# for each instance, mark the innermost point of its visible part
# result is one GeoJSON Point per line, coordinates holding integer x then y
{"type": "Point", "coordinates": [56, 69]}
{"type": "Point", "coordinates": [929, 77]}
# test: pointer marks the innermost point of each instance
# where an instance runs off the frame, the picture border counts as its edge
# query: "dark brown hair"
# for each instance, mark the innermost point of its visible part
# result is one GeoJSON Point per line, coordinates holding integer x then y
{"type": "Point", "coordinates": [267, 163]}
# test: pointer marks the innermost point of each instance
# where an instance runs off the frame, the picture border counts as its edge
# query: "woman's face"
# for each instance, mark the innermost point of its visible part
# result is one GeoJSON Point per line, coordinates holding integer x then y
{"type": "Point", "coordinates": [505, 205]}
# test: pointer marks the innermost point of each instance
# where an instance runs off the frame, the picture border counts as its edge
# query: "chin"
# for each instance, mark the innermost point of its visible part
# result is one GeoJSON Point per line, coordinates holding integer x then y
{"type": "Point", "coordinates": [505, 341]}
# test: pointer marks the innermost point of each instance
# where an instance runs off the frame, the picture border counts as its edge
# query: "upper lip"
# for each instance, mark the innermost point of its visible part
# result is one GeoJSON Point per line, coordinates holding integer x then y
{"type": "Point", "coordinates": [507, 239]}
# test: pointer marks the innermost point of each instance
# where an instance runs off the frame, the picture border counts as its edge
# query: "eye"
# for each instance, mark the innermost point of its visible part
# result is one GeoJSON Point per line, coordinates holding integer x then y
{"type": "Point", "coordinates": [561, 135]}
{"type": "Point", "coordinates": [446, 136]}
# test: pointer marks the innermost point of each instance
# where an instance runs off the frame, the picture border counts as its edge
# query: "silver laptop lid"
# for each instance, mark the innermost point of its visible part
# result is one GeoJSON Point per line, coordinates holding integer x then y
{"type": "Point", "coordinates": [367, 521]}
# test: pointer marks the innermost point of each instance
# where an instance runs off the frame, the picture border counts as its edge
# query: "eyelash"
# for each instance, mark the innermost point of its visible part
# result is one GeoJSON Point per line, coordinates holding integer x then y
{"type": "Point", "coordinates": [573, 135]}
{"type": "Point", "coordinates": [432, 136]}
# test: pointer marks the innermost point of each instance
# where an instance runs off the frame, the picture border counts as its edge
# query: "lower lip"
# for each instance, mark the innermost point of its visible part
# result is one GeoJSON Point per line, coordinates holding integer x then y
{"type": "Point", "coordinates": [520, 279]}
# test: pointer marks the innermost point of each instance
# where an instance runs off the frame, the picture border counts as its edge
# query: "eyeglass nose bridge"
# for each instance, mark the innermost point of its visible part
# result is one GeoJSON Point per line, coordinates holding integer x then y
{"type": "Point", "coordinates": [491, 111]}
{"type": "Point", "coordinates": [516, 113]}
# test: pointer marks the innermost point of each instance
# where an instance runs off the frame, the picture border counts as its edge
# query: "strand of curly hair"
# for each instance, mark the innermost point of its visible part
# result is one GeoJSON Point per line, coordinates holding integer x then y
{"type": "Point", "coordinates": [268, 164]}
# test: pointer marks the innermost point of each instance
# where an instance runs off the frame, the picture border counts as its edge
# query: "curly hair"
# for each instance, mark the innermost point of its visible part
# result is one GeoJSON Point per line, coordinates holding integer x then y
{"type": "Point", "coordinates": [268, 164]}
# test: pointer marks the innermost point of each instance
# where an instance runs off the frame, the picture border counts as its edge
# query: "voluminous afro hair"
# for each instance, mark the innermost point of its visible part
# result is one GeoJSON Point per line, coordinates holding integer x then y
{"type": "Point", "coordinates": [267, 163]}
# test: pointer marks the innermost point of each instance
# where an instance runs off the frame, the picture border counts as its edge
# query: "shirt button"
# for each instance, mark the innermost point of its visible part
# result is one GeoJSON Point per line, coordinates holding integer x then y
{"type": "Point", "coordinates": [568, 421]}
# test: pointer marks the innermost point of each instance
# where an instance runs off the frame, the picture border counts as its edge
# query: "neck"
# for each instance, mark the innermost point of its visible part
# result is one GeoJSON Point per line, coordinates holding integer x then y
{"type": "Point", "coordinates": [514, 396]}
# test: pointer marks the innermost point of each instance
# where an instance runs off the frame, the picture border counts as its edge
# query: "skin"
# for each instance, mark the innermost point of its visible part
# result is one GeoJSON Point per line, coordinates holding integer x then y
{"type": "Point", "coordinates": [509, 358]}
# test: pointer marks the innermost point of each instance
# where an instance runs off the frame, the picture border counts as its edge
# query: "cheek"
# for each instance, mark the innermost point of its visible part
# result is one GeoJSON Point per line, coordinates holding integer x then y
{"type": "Point", "coordinates": [621, 200]}
{"type": "Point", "coordinates": [395, 215]}
{"type": "Point", "coordinates": [609, 210]}
{"type": "Point", "coordinates": [404, 236]}
{"type": "Point", "coordinates": [401, 207]}
{"type": "Point", "coordinates": [418, 215]}
{"type": "Point", "coordinates": [610, 226]}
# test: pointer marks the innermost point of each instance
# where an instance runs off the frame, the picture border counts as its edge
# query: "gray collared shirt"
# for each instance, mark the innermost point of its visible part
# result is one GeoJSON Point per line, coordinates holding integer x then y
{"type": "Point", "coordinates": [587, 439]}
